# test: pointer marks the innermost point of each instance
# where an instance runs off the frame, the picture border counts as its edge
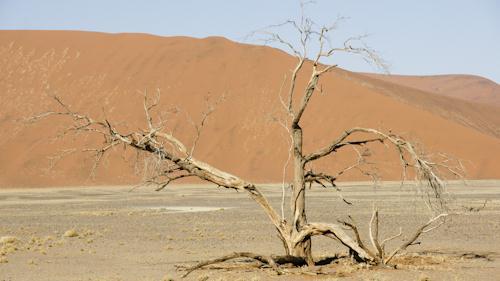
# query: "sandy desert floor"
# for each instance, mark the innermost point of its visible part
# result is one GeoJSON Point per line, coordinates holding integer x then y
{"type": "Point", "coordinates": [112, 233]}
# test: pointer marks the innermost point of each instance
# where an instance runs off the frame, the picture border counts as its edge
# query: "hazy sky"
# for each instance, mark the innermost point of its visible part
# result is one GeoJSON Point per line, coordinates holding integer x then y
{"type": "Point", "coordinates": [414, 37]}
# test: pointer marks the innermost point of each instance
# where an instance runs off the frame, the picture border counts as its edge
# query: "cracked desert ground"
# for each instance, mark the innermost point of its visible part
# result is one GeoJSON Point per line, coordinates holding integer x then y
{"type": "Point", "coordinates": [116, 233]}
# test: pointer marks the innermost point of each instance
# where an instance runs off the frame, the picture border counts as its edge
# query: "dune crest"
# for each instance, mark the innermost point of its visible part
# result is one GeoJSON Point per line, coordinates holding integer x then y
{"type": "Point", "coordinates": [465, 87]}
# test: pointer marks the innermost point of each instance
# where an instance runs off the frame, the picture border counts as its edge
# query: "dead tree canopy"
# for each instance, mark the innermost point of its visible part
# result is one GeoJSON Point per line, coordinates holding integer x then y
{"type": "Point", "coordinates": [295, 231]}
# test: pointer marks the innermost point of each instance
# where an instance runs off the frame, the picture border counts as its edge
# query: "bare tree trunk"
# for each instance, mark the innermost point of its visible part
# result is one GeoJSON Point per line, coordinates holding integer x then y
{"type": "Point", "coordinates": [298, 204]}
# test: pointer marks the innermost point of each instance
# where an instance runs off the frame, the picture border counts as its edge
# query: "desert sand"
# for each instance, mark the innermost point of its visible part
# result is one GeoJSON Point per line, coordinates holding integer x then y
{"type": "Point", "coordinates": [102, 73]}
{"type": "Point", "coordinates": [114, 234]}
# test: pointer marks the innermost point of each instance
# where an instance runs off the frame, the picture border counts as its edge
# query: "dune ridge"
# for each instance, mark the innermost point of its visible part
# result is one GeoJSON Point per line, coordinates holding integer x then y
{"type": "Point", "coordinates": [460, 86]}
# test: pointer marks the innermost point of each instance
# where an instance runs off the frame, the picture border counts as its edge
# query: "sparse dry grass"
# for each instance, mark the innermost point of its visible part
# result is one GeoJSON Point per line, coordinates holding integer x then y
{"type": "Point", "coordinates": [70, 233]}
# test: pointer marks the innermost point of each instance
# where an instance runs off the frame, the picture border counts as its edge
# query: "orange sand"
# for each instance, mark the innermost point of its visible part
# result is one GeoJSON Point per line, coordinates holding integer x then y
{"type": "Point", "coordinates": [97, 72]}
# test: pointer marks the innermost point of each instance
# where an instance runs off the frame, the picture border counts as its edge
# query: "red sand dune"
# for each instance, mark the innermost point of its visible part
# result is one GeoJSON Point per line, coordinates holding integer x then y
{"type": "Point", "coordinates": [97, 72]}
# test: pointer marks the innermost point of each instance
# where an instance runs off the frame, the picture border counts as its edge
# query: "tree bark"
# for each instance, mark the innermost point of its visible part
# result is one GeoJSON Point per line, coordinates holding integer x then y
{"type": "Point", "coordinates": [298, 204]}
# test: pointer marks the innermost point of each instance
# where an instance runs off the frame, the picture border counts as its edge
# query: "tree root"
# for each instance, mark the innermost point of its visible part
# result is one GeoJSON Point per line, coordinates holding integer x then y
{"type": "Point", "coordinates": [271, 261]}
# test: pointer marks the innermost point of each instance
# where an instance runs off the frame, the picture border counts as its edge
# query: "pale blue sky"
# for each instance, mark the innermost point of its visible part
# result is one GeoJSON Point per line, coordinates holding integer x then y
{"type": "Point", "coordinates": [415, 37]}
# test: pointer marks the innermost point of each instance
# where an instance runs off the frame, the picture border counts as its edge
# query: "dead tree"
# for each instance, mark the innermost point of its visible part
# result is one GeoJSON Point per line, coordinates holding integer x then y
{"type": "Point", "coordinates": [178, 161]}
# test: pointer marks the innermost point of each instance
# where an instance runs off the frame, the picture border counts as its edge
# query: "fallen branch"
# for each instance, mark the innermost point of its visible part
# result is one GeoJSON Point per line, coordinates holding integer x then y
{"type": "Point", "coordinates": [260, 258]}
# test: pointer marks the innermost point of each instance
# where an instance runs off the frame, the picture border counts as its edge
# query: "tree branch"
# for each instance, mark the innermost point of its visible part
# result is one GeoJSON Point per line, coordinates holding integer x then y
{"type": "Point", "coordinates": [373, 231]}
{"type": "Point", "coordinates": [418, 232]}
{"type": "Point", "coordinates": [148, 141]}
